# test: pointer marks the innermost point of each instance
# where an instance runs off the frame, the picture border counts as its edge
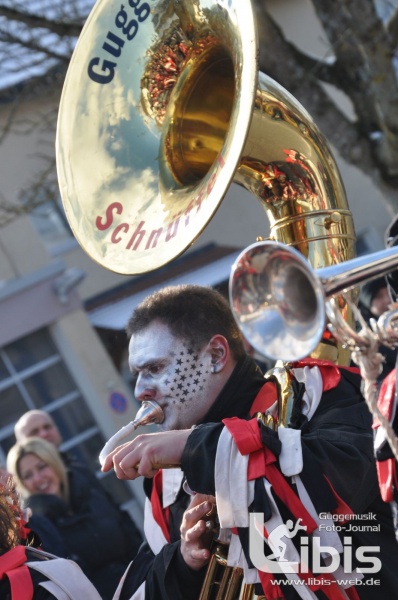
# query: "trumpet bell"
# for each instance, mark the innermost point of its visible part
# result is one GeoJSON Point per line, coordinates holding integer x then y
{"type": "Point", "coordinates": [281, 303]}
{"type": "Point", "coordinates": [277, 301]}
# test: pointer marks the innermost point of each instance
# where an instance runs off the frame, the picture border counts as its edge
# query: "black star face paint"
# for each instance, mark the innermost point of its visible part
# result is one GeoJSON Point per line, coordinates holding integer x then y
{"type": "Point", "coordinates": [173, 373]}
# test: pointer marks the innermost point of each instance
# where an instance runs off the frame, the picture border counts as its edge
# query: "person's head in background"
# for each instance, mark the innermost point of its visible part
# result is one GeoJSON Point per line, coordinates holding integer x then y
{"type": "Point", "coordinates": [10, 513]}
{"type": "Point", "coordinates": [37, 423]}
{"type": "Point", "coordinates": [375, 297]}
{"type": "Point", "coordinates": [37, 468]}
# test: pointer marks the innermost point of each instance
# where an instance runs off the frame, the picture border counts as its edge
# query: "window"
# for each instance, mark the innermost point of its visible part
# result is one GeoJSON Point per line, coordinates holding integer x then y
{"type": "Point", "coordinates": [34, 375]}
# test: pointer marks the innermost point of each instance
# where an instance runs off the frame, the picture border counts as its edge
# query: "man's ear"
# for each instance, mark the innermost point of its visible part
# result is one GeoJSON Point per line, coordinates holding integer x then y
{"type": "Point", "coordinates": [219, 351]}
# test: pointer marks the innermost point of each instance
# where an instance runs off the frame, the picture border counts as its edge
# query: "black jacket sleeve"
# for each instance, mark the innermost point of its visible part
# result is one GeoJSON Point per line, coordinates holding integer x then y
{"type": "Point", "coordinates": [338, 441]}
{"type": "Point", "coordinates": [170, 578]}
{"type": "Point", "coordinates": [199, 457]}
{"type": "Point", "coordinates": [166, 575]}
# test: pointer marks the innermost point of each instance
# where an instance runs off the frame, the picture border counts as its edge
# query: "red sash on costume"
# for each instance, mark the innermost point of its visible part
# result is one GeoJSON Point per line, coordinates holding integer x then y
{"type": "Point", "coordinates": [387, 469]}
{"type": "Point", "coordinates": [160, 514]}
{"type": "Point", "coordinates": [262, 461]}
{"type": "Point", "coordinates": [12, 566]}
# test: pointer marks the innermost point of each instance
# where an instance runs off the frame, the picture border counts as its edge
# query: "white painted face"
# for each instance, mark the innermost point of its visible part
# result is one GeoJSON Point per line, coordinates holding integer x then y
{"type": "Point", "coordinates": [173, 374]}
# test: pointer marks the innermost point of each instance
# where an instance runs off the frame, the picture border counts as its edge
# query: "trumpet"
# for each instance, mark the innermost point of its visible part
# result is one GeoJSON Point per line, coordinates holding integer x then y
{"type": "Point", "coordinates": [282, 306]}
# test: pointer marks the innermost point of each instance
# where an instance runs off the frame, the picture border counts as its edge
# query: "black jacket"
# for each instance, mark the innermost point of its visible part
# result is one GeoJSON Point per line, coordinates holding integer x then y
{"type": "Point", "coordinates": [89, 530]}
{"type": "Point", "coordinates": [336, 442]}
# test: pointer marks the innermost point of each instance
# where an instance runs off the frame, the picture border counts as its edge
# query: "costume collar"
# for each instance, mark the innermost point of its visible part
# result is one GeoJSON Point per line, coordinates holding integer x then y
{"type": "Point", "coordinates": [237, 396]}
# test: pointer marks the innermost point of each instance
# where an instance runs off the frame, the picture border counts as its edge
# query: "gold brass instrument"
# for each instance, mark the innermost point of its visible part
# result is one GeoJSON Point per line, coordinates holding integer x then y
{"type": "Point", "coordinates": [149, 413]}
{"type": "Point", "coordinates": [163, 107]}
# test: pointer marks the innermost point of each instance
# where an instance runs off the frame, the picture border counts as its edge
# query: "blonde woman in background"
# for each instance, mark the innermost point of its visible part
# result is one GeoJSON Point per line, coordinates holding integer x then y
{"type": "Point", "coordinates": [27, 573]}
{"type": "Point", "coordinates": [71, 517]}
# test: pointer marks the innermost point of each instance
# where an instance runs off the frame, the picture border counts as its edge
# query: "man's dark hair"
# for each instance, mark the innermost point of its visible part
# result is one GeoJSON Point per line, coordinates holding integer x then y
{"type": "Point", "coordinates": [191, 312]}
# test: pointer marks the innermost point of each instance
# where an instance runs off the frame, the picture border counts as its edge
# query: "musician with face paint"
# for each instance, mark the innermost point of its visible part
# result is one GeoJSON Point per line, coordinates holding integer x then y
{"type": "Point", "coordinates": [187, 354]}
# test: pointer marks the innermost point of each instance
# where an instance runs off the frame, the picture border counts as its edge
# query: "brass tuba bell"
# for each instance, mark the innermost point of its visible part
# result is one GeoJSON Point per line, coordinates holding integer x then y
{"type": "Point", "coordinates": [162, 108]}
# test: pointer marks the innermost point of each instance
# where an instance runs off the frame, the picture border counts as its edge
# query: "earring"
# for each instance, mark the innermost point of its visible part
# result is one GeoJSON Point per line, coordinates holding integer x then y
{"type": "Point", "coordinates": [214, 368]}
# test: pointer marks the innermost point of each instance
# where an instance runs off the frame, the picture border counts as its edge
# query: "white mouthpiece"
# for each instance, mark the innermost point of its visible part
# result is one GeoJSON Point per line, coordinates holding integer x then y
{"type": "Point", "coordinates": [150, 412]}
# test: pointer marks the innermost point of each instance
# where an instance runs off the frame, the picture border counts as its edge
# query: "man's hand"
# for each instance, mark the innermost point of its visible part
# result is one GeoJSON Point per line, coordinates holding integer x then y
{"type": "Point", "coordinates": [147, 453]}
{"type": "Point", "coordinates": [196, 537]}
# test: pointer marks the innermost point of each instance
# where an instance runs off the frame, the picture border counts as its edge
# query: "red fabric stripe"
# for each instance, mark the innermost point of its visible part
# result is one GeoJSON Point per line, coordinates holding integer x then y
{"type": "Point", "coordinates": [330, 372]}
{"type": "Point", "coordinates": [12, 559]}
{"type": "Point", "coordinates": [160, 514]}
{"type": "Point", "coordinates": [386, 397]}
{"type": "Point", "coordinates": [21, 583]}
{"type": "Point", "coordinates": [289, 498]}
{"type": "Point", "coordinates": [265, 398]}
{"type": "Point", "coordinates": [245, 433]}
{"type": "Point", "coordinates": [12, 565]}
{"type": "Point", "coordinates": [385, 475]}
{"type": "Point", "coordinates": [273, 592]}
{"type": "Point", "coordinates": [342, 507]}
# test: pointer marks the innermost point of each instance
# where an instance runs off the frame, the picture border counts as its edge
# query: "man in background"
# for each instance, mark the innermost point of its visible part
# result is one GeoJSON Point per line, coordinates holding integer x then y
{"type": "Point", "coordinates": [374, 300]}
{"type": "Point", "coordinates": [37, 423]}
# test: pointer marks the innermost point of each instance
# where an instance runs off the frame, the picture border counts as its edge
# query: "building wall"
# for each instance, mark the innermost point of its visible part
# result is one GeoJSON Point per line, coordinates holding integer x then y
{"type": "Point", "coordinates": [28, 302]}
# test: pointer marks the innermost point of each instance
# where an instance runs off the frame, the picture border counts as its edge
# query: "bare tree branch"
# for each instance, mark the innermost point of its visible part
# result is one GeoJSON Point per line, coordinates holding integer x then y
{"type": "Point", "coordinates": [358, 141]}
{"type": "Point", "coordinates": [60, 28]}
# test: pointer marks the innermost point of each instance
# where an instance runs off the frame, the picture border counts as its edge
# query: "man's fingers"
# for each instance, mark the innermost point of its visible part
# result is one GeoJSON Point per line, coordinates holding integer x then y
{"type": "Point", "coordinates": [195, 536]}
{"type": "Point", "coordinates": [202, 510]}
{"type": "Point", "coordinates": [194, 523]}
{"type": "Point", "coordinates": [120, 451]}
{"type": "Point", "coordinates": [147, 453]}
{"type": "Point", "coordinates": [197, 499]}
{"type": "Point", "coordinates": [202, 554]}
{"type": "Point", "coordinates": [196, 531]}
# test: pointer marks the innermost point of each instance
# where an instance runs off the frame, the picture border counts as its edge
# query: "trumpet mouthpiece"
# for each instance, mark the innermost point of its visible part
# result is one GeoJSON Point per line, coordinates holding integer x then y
{"type": "Point", "coordinates": [149, 413]}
